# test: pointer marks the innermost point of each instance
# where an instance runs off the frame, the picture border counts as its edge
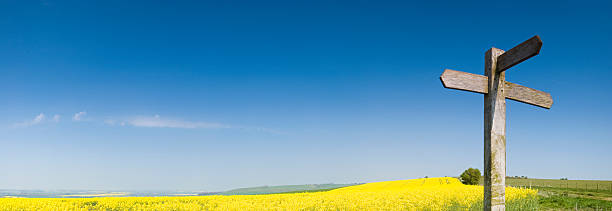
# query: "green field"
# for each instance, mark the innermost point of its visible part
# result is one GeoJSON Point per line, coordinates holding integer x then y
{"type": "Point", "coordinates": [590, 185]}
{"type": "Point", "coordinates": [556, 194]}
{"type": "Point", "coordinates": [283, 189]}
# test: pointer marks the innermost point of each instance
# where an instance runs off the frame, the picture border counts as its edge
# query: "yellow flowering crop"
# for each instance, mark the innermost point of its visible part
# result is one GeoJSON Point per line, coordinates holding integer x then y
{"type": "Point", "coordinates": [417, 194]}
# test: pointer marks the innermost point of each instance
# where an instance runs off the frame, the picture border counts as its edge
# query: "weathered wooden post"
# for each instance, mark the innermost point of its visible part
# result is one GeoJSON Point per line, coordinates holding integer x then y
{"type": "Point", "coordinates": [496, 90]}
{"type": "Point", "coordinates": [494, 134]}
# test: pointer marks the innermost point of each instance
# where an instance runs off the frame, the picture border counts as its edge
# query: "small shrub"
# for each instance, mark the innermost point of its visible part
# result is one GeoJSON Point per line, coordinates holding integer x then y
{"type": "Point", "coordinates": [470, 176]}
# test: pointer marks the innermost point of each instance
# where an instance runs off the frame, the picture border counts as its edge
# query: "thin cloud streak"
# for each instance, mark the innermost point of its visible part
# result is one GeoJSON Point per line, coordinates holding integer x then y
{"type": "Point", "coordinates": [260, 129]}
{"type": "Point", "coordinates": [56, 118]}
{"type": "Point", "coordinates": [37, 120]}
{"type": "Point", "coordinates": [158, 122]}
{"type": "Point", "coordinates": [149, 122]}
{"type": "Point", "coordinates": [79, 116]}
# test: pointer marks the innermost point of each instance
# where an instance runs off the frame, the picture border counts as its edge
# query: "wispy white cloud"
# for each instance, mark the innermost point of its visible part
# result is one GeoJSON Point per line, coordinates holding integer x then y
{"type": "Point", "coordinates": [56, 118]}
{"type": "Point", "coordinates": [157, 121]}
{"type": "Point", "coordinates": [148, 121]}
{"type": "Point", "coordinates": [110, 121]}
{"type": "Point", "coordinates": [37, 120]}
{"type": "Point", "coordinates": [79, 116]}
{"type": "Point", "coordinates": [265, 130]}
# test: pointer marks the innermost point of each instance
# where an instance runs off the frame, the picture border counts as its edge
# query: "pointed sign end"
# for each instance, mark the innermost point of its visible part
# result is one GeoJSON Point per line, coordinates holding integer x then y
{"type": "Point", "coordinates": [443, 77]}
{"type": "Point", "coordinates": [546, 101]}
{"type": "Point", "coordinates": [549, 105]}
{"type": "Point", "coordinates": [519, 53]}
{"type": "Point", "coordinates": [538, 43]}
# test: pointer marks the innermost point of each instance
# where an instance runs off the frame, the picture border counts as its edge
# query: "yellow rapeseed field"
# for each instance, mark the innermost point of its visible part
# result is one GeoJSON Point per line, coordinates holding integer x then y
{"type": "Point", "coordinates": [417, 194]}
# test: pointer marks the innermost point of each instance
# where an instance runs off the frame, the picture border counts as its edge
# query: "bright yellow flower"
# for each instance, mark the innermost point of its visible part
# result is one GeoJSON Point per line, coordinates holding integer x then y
{"type": "Point", "coordinates": [417, 194]}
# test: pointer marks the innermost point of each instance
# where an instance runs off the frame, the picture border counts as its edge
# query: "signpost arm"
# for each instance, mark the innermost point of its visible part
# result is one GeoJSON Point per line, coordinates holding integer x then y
{"type": "Point", "coordinates": [496, 90]}
{"type": "Point", "coordinates": [494, 134]}
{"type": "Point", "coordinates": [519, 53]}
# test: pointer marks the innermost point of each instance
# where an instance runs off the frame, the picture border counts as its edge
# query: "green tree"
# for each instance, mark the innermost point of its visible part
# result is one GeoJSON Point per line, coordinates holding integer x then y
{"type": "Point", "coordinates": [470, 176]}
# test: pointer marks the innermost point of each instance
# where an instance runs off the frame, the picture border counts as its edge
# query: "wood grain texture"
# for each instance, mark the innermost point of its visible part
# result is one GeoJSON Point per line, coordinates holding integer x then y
{"type": "Point", "coordinates": [519, 53]}
{"type": "Point", "coordinates": [527, 95]}
{"type": "Point", "coordinates": [494, 135]}
{"type": "Point", "coordinates": [496, 90]}
{"type": "Point", "coordinates": [453, 79]}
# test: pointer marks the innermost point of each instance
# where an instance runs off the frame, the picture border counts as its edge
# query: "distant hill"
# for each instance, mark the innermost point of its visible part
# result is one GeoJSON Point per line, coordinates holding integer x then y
{"type": "Point", "coordinates": [11, 193]}
{"type": "Point", "coordinates": [281, 189]}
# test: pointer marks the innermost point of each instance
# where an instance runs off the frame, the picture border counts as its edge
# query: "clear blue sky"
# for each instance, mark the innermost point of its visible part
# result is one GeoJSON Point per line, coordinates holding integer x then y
{"type": "Point", "coordinates": [226, 94]}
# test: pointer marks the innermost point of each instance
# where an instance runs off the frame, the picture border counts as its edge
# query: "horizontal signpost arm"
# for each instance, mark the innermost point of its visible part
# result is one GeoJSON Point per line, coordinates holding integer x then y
{"type": "Point", "coordinates": [453, 79]}
{"type": "Point", "coordinates": [527, 95]}
{"type": "Point", "coordinates": [519, 53]}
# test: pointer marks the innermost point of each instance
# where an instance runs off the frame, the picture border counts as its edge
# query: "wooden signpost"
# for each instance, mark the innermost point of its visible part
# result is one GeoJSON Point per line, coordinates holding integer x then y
{"type": "Point", "coordinates": [496, 90]}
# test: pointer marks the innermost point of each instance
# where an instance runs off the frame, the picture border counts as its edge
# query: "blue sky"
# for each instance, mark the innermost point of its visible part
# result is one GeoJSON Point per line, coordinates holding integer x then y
{"type": "Point", "coordinates": [225, 94]}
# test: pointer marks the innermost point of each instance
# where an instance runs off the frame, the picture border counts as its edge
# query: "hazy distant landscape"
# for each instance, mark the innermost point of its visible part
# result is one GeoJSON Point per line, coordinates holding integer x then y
{"type": "Point", "coordinates": [95, 193]}
{"type": "Point", "coordinates": [305, 105]}
{"type": "Point", "coordinates": [553, 193]}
